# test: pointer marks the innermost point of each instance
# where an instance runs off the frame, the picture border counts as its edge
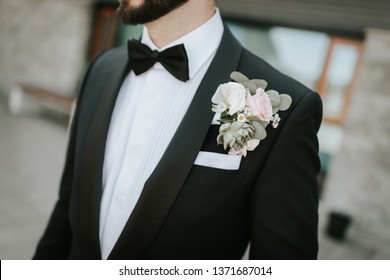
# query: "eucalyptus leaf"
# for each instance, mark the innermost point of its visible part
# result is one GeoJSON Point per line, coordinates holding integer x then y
{"type": "Point", "coordinates": [250, 85]}
{"type": "Point", "coordinates": [260, 132]}
{"type": "Point", "coordinates": [274, 97]}
{"type": "Point", "coordinates": [285, 102]}
{"type": "Point", "coordinates": [238, 77]}
{"type": "Point", "coordinates": [264, 123]}
{"type": "Point", "coordinates": [260, 83]}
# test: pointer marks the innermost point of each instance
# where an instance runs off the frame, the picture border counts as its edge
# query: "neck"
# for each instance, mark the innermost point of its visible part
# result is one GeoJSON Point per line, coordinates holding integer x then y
{"type": "Point", "coordinates": [180, 21]}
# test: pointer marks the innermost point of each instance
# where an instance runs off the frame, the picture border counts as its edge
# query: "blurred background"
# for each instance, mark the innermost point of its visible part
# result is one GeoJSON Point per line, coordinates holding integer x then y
{"type": "Point", "coordinates": [338, 48]}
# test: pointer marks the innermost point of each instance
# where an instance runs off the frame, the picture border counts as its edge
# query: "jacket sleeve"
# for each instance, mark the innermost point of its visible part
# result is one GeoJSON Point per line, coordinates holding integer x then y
{"type": "Point", "coordinates": [284, 202]}
{"type": "Point", "coordinates": [57, 238]}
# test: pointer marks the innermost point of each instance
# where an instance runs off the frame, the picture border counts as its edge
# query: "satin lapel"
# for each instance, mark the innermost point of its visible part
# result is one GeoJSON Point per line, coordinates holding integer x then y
{"type": "Point", "coordinates": [164, 184]}
{"type": "Point", "coordinates": [93, 156]}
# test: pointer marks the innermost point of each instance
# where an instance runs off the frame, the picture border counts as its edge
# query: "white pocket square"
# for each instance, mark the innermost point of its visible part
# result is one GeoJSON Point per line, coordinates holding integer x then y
{"type": "Point", "coordinates": [217, 160]}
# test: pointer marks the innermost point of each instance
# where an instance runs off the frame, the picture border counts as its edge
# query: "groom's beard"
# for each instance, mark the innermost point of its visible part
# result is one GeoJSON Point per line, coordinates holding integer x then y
{"type": "Point", "coordinates": [147, 10]}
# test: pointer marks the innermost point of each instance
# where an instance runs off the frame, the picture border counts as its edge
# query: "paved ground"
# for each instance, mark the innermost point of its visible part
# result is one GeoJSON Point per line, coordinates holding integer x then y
{"type": "Point", "coordinates": [32, 149]}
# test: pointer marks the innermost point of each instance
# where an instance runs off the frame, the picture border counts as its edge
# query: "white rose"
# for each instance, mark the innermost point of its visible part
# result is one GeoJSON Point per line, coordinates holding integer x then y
{"type": "Point", "coordinates": [229, 96]}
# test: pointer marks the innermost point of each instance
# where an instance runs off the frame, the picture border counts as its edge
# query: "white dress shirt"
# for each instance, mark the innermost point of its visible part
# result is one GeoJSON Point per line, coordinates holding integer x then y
{"type": "Point", "coordinates": [148, 110]}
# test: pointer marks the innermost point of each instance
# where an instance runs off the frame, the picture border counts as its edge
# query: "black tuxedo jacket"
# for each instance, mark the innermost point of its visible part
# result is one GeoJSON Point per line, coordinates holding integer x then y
{"type": "Point", "coordinates": [188, 211]}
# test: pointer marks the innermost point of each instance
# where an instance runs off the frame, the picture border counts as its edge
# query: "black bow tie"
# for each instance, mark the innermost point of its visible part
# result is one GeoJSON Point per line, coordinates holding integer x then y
{"type": "Point", "coordinates": [174, 59]}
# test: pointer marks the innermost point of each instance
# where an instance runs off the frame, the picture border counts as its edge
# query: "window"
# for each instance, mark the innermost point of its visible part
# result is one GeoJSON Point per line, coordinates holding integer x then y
{"type": "Point", "coordinates": [104, 30]}
{"type": "Point", "coordinates": [324, 63]}
{"type": "Point", "coordinates": [338, 76]}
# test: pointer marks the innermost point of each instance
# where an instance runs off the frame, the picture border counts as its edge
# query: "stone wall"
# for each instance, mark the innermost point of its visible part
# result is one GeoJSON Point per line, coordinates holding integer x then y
{"type": "Point", "coordinates": [359, 177]}
{"type": "Point", "coordinates": [44, 42]}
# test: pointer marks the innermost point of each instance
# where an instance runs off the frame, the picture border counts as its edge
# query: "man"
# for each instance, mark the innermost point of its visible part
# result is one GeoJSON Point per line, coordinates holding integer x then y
{"type": "Point", "coordinates": [144, 176]}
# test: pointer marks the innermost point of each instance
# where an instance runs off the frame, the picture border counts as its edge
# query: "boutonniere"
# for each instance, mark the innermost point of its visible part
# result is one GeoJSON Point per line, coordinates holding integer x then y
{"type": "Point", "coordinates": [246, 109]}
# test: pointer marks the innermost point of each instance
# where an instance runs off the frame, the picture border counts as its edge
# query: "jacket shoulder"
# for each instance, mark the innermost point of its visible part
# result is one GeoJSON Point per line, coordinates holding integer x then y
{"type": "Point", "coordinates": [101, 66]}
{"type": "Point", "coordinates": [108, 57]}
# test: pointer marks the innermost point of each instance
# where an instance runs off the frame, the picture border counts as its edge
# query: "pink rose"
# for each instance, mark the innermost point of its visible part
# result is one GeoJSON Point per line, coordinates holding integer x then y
{"type": "Point", "coordinates": [259, 105]}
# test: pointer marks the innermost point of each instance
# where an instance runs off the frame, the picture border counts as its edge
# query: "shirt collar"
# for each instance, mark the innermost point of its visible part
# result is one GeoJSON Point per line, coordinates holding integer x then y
{"type": "Point", "coordinates": [200, 43]}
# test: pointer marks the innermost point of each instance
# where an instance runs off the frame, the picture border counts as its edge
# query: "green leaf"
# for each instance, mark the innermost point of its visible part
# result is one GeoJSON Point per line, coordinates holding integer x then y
{"type": "Point", "coordinates": [238, 77]}
{"type": "Point", "coordinates": [260, 132]}
{"type": "Point", "coordinates": [274, 97]}
{"type": "Point", "coordinates": [250, 85]}
{"type": "Point", "coordinates": [260, 83]}
{"type": "Point", "coordinates": [285, 102]}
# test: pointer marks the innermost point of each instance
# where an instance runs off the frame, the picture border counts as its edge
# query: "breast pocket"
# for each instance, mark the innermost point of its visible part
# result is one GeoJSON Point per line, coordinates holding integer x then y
{"type": "Point", "coordinates": [215, 178]}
